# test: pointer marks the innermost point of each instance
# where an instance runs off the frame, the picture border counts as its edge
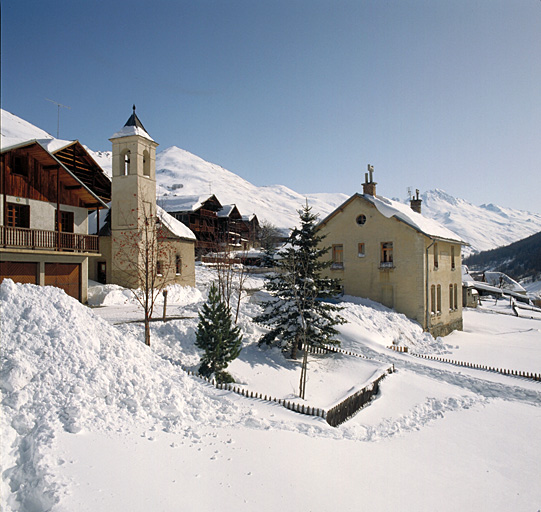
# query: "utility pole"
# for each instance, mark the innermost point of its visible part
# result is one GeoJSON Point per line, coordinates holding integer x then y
{"type": "Point", "coordinates": [58, 119]}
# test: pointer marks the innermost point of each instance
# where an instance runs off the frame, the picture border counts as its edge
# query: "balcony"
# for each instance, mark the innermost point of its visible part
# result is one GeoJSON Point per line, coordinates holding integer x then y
{"type": "Point", "coordinates": [39, 239]}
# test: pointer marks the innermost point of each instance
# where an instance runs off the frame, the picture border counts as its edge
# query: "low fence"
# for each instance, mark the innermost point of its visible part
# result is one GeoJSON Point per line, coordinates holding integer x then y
{"type": "Point", "coordinates": [398, 348]}
{"type": "Point", "coordinates": [465, 364]}
{"type": "Point", "coordinates": [353, 403]}
{"type": "Point", "coordinates": [292, 406]}
{"type": "Point", "coordinates": [334, 416]}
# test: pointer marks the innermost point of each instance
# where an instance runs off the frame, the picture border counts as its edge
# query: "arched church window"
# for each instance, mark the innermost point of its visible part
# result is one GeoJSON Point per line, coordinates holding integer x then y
{"type": "Point", "coordinates": [126, 162]}
{"type": "Point", "coordinates": [146, 163]}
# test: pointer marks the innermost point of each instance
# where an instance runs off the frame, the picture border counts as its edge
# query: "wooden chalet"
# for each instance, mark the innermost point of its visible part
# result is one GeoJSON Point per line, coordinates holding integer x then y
{"type": "Point", "coordinates": [233, 231]}
{"type": "Point", "coordinates": [46, 193]}
{"type": "Point", "coordinates": [200, 214]}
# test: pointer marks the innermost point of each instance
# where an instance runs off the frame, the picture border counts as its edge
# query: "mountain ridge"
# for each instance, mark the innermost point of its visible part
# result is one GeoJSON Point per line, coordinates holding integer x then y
{"type": "Point", "coordinates": [181, 173]}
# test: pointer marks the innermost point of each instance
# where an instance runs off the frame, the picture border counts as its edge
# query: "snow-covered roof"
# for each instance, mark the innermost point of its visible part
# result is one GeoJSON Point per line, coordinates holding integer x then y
{"type": "Point", "coordinates": [226, 210]}
{"type": "Point", "coordinates": [131, 130]}
{"type": "Point", "coordinates": [429, 227]}
{"type": "Point", "coordinates": [185, 203]}
{"type": "Point", "coordinates": [133, 126]}
{"type": "Point", "coordinates": [390, 208]}
{"type": "Point", "coordinates": [175, 226]}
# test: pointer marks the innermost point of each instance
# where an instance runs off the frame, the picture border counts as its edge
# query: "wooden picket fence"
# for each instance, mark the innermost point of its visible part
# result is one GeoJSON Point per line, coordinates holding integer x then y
{"type": "Point", "coordinates": [503, 371]}
{"type": "Point", "coordinates": [292, 406]}
{"type": "Point", "coordinates": [398, 348]}
{"type": "Point", "coordinates": [334, 416]}
{"type": "Point", "coordinates": [353, 403]}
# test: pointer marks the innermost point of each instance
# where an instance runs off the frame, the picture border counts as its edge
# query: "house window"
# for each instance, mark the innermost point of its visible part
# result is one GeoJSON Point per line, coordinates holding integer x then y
{"type": "Point", "coordinates": [18, 215]}
{"type": "Point", "coordinates": [436, 258]}
{"type": "Point", "coordinates": [451, 297]}
{"type": "Point", "coordinates": [337, 256]}
{"type": "Point", "coordinates": [18, 166]}
{"type": "Point", "coordinates": [159, 267]}
{"type": "Point", "coordinates": [438, 292]}
{"type": "Point", "coordinates": [433, 299]}
{"type": "Point", "coordinates": [360, 250]}
{"type": "Point", "coordinates": [178, 264]}
{"type": "Point", "coordinates": [361, 219]}
{"type": "Point", "coordinates": [452, 257]}
{"type": "Point", "coordinates": [386, 254]}
{"type": "Point", "coordinates": [66, 222]}
{"type": "Point", "coordinates": [456, 296]}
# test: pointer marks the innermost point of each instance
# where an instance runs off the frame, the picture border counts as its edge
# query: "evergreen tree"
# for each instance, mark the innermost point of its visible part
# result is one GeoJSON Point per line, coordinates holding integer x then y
{"type": "Point", "coordinates": [216, 336]}
{"type": "Point", "coordinates": [296, 312]}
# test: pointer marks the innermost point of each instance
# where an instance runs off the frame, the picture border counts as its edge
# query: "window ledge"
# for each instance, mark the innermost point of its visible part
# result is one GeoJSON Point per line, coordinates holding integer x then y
{"type": "Point", "coordinates": [337, 266]}
{"type": "Point", "coordinates": [386, 265]}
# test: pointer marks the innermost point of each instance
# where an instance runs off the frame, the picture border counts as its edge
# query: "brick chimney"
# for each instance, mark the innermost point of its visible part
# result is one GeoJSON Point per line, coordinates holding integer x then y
{"type": "Point", "coordinates": [369, 186]}
{"type": "Point", "coordinates": [415, 202]}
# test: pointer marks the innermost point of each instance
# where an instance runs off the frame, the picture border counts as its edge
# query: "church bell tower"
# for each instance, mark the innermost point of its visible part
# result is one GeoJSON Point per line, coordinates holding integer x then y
{"type": "Point", "coordinates": [133, 191]}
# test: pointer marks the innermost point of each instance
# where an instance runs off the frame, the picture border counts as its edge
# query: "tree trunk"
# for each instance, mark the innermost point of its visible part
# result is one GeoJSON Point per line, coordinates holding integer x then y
{"type": "Point", "coordinates": [147, 330]}
{"type": "Point", "coordinates": [294, 348]}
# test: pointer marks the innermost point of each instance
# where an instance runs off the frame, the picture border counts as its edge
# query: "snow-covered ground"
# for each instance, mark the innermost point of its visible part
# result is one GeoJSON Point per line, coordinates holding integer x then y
{"type": "Point", "coordinates": [92, 419]}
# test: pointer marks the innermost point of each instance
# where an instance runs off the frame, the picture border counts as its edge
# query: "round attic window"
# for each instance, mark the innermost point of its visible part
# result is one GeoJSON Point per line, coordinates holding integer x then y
{"type": "Point", "coordinates": [361, 219]}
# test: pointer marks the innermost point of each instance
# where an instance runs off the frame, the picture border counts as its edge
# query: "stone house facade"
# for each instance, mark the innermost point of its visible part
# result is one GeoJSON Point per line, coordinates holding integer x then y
{"type": "Point", "coordinates": [388, 252]}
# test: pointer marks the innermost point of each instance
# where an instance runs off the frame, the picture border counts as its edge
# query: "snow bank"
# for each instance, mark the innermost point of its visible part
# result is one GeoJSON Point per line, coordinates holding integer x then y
{"type": "Point", "coordinates": [115, 295]}
{"type": "Point", "coordinates": [62, 367]}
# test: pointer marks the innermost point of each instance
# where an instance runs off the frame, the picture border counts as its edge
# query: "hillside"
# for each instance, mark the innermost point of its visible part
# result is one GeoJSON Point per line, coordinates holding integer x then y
{"type": "Point", "coordinates": [518, 260]}
{"type": "Point", "coordinates": [181, 173]}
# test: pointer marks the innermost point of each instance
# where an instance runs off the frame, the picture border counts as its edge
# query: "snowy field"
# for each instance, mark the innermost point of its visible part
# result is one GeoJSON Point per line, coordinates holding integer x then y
{"type": "Point", "coordinates": [92, 419]}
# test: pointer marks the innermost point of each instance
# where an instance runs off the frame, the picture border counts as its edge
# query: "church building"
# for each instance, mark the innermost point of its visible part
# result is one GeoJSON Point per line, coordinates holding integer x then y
{"type": "Point", "coordinates": [138, 238]}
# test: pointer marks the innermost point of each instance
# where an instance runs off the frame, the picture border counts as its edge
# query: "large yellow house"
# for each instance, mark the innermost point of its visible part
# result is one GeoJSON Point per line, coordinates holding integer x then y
{"type": "Point", "coordinates": [388, 252]}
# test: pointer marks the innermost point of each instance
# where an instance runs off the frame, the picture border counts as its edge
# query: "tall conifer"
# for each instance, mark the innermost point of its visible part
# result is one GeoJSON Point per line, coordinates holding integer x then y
{"type": "Point", "coordinates": [296, 310]}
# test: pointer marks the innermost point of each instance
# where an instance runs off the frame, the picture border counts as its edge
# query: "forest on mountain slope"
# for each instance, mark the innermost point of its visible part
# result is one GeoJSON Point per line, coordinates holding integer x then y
{"type": "Point", "coordinates": [518, 260]}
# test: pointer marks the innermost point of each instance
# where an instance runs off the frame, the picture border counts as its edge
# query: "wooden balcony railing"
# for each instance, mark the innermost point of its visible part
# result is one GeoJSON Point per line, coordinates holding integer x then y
{"type": "Point", "coordinates": [36, 239]}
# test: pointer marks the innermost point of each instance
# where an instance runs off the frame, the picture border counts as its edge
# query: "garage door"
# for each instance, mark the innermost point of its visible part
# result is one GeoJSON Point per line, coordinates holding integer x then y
{"type": "Point", "coordinates": [20, 272]}
{"type": "Point", "coordinates": [66, 276]}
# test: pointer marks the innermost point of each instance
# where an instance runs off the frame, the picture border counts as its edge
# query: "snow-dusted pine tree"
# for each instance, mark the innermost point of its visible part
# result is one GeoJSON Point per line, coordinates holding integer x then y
{"type": "Point", "coordinates": [216, 336]}
{"type": "Point", "coordinates": [296, 312]}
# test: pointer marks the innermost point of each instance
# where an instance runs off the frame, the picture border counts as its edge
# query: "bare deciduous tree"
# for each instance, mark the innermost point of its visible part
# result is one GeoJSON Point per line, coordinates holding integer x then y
{"type": "Point", "coordinates": [145, 260]}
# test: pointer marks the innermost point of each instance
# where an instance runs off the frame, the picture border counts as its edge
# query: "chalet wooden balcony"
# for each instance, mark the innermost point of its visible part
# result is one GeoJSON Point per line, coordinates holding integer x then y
{"type": "Point", "coordinates": [40, 239]}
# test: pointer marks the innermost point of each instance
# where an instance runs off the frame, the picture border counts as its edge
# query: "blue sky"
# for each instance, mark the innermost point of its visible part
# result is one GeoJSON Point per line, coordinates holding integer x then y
{"type": "Point", "coordinates": [304, 93]}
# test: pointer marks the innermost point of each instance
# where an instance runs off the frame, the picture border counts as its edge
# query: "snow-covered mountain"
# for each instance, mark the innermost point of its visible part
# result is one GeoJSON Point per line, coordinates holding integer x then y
{"type": "Point", "coordinates": [485, 227]}
{"type": "Point", "coordinates": [180, 173]}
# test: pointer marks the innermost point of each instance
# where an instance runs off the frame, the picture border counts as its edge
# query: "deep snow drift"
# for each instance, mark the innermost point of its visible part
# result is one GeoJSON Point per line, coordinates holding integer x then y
{"type": "Point", "coordinates": [94, 420]}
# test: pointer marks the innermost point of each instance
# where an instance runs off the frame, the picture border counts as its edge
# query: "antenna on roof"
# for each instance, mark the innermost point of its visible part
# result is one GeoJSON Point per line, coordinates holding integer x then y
{"type": "Point", "coordinates": [58, 119]}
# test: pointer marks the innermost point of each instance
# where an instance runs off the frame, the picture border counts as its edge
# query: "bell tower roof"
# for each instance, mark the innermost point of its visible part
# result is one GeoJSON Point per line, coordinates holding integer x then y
{"type": "Point", "coordinates": [133, 126]}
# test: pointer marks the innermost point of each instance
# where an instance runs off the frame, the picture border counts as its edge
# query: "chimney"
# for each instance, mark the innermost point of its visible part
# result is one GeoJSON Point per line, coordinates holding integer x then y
{"type": "Point", "coordinates": [369, 185]}
{"type": "Point", "coordinates": [415, 202]}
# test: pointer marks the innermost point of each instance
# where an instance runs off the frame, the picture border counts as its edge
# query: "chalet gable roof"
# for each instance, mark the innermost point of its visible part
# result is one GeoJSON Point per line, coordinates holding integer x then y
{"type": "Point", "coordinates": [403, 213]}
{"type": "Point", "coordinates": [181, 204]}
{"type": "Point", "coordinates": [230, 211]}
{"type": "Point", "coordinates": [39, 151]}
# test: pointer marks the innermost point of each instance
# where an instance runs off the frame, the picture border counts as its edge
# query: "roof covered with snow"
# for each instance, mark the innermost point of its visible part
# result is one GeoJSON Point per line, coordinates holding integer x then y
{"type": "Point", "coordinates": [185, 203]}
{"type": "Point", "coordinates": [175, 226]}
{"type": "Point", "coordinates": [390, 208]}
{"type": "Point", "coordinates": [133, 126]}
{"type": "Point", "coordinates": [404, 213]}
